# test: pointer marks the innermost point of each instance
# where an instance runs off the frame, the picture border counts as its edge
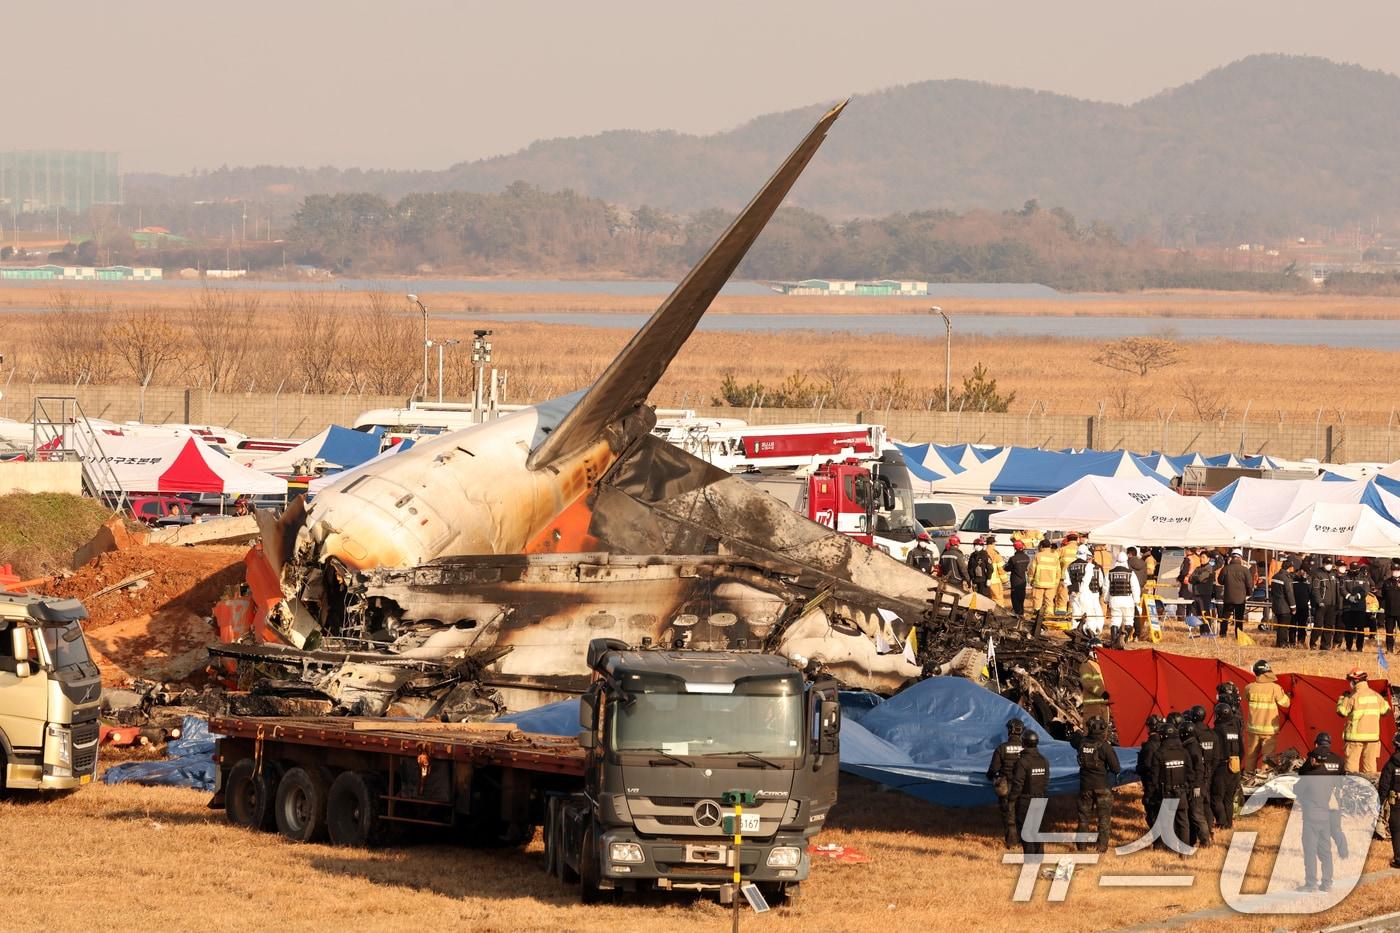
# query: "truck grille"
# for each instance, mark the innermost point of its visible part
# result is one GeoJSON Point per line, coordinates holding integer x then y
{"type": "Point", "coordinates": [84, 760]}
{"type": "Point", "coordinates": [84, 733]}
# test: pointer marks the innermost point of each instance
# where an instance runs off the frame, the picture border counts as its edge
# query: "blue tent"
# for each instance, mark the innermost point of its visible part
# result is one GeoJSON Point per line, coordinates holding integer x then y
{"type": "Point", "coordinates": [340, 447]}
{"type": "Point", "coordinates": [932, 741]}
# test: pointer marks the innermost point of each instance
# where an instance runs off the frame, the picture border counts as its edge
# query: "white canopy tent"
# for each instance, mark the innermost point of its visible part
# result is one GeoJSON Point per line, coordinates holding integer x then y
{"type": "Point", "coordinates": [180, 464]}
{"type": "Point", "coordinates": [1264, 503]}
{"type": "Point", "coordinates": [1083, 505]}
{"type": "Point", "coordinates": [1174, 521]}
{"type": "Point", "coordinates": [1341, 528]}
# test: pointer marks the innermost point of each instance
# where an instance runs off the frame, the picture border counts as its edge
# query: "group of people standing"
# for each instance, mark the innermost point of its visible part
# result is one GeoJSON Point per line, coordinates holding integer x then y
{"type": "Point", "coordinates": [1321, 603]}
{"type": "Point", "coordinates": [1196, 768]}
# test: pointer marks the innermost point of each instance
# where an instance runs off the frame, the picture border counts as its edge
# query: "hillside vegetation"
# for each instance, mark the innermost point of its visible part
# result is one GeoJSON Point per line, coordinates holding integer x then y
{"type": "Point", "coordinates": [1263, 146]}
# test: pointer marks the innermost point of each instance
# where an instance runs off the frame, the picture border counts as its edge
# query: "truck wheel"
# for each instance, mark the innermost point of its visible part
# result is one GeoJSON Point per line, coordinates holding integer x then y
{"type": "Point", "coordinates": [248, 797]}
{"type": "Point", "coordinates": [590, 873]}
{"type": "Point", "coordinates": [301, 805]}
{"type": "Point", "coordinates": [354, 810]}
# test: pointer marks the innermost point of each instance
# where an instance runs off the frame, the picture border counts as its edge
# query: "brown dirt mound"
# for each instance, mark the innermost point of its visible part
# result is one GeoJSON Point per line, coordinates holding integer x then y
{"type": "Point", "coordinates": [191, 579]}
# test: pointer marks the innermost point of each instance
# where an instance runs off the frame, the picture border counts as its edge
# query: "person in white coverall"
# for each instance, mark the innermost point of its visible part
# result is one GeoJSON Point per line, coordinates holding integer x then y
{"type": "Point", "coordinates": [1124, 592]}
{"type": "Point", "coordinates": [1086, 584]}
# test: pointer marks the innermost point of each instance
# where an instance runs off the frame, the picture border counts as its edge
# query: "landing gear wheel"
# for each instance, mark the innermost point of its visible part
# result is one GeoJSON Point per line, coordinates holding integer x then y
{"type": "Point", "coordinates": [354, 810]}
{"type": "Point", "coordinates": [248, 797]}
{"type": "Point", "coordinates": [301, 805]}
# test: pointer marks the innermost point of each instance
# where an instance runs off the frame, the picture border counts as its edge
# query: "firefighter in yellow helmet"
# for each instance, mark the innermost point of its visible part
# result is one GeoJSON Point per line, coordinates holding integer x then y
{"type": "Point", "coordinates": [1264, 702]}
{"type": "Point", "coordinates": [1362, 708]}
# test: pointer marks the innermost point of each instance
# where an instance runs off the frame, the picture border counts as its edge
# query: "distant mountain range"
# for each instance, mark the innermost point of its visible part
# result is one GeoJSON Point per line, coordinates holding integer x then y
{"type": "Point", "coordinates": [1270, 144]}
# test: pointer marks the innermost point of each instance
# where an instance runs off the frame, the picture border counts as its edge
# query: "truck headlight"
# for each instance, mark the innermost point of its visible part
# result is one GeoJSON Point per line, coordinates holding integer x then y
{"type": "Point", "coordinates": [63, 741]}
{"type": "Point", "coordinates": [625, 852]}
{"type": "Point", "coordinates": [784, 857]}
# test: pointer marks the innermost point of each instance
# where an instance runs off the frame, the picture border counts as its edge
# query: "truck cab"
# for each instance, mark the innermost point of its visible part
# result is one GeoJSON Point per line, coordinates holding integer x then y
{"type": "Point", "coordinates": [670, 736]}
{"type": "Point", "coordinates": [50, 692]}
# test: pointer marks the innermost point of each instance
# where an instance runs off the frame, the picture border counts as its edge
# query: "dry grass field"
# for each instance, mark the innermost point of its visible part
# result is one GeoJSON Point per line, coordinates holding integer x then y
{"type": "Point", "coordinates": [157, 858]}
{"type": "Point", "coordinates": [335, 343]}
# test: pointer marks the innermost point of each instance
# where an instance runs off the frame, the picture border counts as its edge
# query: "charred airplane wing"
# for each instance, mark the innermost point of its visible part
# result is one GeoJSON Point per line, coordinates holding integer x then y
{"type": "Point", "coordinates": [625, 384]}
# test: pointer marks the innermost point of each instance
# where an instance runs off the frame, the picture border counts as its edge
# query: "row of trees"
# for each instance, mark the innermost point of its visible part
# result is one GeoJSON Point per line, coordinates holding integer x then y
{"type": "Point", "coordinates": [526, 229]}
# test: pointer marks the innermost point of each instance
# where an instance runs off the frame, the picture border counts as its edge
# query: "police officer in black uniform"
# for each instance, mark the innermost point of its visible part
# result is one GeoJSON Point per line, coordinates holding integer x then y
{"type": "Point", "coordinates": [921, 556]}
{"type": "Point", "coordinates": [1196, 775]}
{"type": "Point", "coordinates": [1097, 760]}
{"type": "Point", "coordinates": [1147, 769]}
{"type": "Point", "coordinates": [1316, 787]}
{"type": "Point", "coordinates": [1284, 604]}
{"type": "Point", "coordinates": [1210, 757]}
{"type": "Point", "coordinates": [1389, 788]}
{"type": "Point", "coordinates": [999, 773]}
{"type": "Point", "coordinates": [1229, 747]}
{"type": "Point", "coordinates": [1173, 780]}
{"type": "Point", "coordinates": [1030, 780]}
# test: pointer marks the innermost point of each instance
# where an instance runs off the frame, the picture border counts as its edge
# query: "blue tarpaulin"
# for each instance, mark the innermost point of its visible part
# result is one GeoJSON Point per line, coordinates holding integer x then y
{"type": "Point", "coordinates": [190, 762]}
{"type": "Point", "coordinates": [932, 741]}
{"type": "Point", "coordinates": [935, 740]}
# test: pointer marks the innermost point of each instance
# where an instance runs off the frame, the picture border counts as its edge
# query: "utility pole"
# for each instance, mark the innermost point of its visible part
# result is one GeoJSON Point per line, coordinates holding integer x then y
{"type": "Point", "coordinates": [947, 361]}
{"type": "Point", "coordinates": [481, 355]}
{"type": "Point", "coordinates": [441, 344]}
{"type": "Point", "coordinates": [426, 343]}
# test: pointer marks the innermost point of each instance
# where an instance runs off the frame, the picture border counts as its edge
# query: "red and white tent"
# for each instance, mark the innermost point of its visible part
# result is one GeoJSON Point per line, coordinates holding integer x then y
{"type": "Point", "coordinates": [181, 464]}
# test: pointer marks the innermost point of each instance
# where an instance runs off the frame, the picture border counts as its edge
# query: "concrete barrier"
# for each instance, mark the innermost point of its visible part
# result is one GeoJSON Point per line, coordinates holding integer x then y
{"type": "Point", "coordinates": [41, 477]}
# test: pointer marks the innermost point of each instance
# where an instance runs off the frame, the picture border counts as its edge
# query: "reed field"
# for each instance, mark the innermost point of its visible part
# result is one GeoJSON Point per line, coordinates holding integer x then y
{"type": "Point", "coordinates": [369, 343]}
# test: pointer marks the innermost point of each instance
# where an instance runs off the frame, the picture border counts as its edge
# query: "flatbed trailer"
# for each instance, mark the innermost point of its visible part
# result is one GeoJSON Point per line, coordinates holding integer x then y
{"type": "Point", "coordinates": [354, 781]}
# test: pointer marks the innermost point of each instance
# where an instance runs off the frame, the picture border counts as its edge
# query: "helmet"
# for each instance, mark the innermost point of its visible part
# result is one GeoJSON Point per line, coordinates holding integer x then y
{"type": "Point", "coordinates": [1121, 560]}
{"type": "Point", "coordinates": [1196, 714]}
{"type": "Point", "coordinates": [1174, 720]}
{"type": "Point", "coordinates": [1153, 722]}
{"type": "Point", "coordinates": [991, 539]}
{"type": "Point", "coordinates": [1018, 545]}
{"type": "Point", "coordinates": [1096, 727]}
{"type": "Point", "coordinates": [1031, 739]}
{"type": "Point", "coordinates": [923, 536]}
{"type": "Point", "coordinates": [980, 542]}
{"type": "Point", "coordinates": [1184, 729]}
{"type": "Point", "coordinates": [1323, 740]}
{"type": "Point", "coordinates": [1014, 726]}
{"type": "Point", "coordinates": [1223, 711]}
{"type": "Point", "coordinates": [1356, 675]}
{"type": "Point", "coordinates": [1161, 729]}
{"type": "Point", "coordinates": [1261, 667]}
{"type": "Point", "coordinates": [954, 541]}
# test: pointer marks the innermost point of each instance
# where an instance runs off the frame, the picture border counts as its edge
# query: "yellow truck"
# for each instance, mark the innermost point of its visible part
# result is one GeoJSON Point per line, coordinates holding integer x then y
{"type": "Point", "coordinates": [50, 693]}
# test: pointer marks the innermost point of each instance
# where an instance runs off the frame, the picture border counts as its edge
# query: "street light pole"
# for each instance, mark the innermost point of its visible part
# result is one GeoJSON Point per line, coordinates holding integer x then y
{"type": "Point", "coordinates": [426, 342]}
{"type": "Point", "coordinates": [481, 355]}
{"type": "Point", "coordinates": [947, 361]}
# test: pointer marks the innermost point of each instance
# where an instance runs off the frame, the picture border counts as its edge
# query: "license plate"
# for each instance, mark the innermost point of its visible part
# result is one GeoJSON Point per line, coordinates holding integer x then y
{"type": "Point", "coordinates": [749, 823]}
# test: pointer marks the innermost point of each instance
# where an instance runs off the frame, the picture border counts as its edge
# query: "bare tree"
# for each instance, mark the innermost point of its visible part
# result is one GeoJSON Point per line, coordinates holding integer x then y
{"type": "Point", "coordinates": [1127, 402]}
{"type": "Point", "coordinates": [1138, 355]}
{"type": "Point", "coordinates": [315, 341]}
{"type": "Point", "coordinates": [1207, 401]}
{"type": "Point", "coordinates": [146, 341]}
{"type": "Point", "coordinates": [531, 378]}
{"type": "Point", "coordinates": [72, 338]}
{"type": "Point", "coordinates": [383, 347]}
{"type": "Point", "coordinates": [223, 325]}
{"type": "Point", "coordinates": [839, 377]}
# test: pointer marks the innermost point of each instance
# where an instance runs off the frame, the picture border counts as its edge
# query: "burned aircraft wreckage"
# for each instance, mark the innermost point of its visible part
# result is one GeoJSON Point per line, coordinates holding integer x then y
{"type": "Point", "coordinates": [470, 572]}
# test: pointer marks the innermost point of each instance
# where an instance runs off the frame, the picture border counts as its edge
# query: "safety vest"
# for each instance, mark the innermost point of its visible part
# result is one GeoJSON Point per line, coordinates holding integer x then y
{"type": "Point", "coordinates": [1046, 572]}
{"type": "Point", "coordinates": [1363, 709]}
{"type": "Point", "coordinates": [1120, 582]}
{"type": "Point", "coordinates": [1264, 700]}
{"type": "Point", "coordinates": [1091, 683]}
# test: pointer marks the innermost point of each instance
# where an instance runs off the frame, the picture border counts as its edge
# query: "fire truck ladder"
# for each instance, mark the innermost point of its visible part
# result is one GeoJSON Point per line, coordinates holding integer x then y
{"type": "Point", "coordinates": [62, 432]}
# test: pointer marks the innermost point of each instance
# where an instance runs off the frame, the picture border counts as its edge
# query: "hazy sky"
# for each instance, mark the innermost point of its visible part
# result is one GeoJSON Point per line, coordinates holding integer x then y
{"type": "Point", "coordinates": [425, 83]}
